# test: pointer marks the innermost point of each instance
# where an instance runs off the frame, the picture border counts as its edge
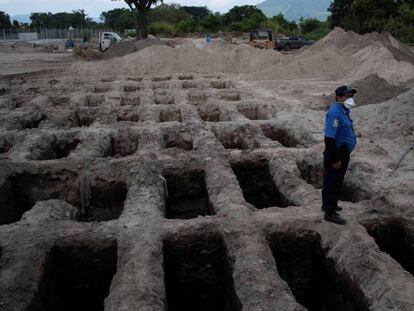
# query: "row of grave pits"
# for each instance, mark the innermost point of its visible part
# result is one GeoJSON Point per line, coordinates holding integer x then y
{"type": "Point", "coordinates": [125, 143]}
{"type": "Point", "coordinates": [87, 116]}
{"type": "Point", "coordinates": [131, 97]}
{"type": "Point", "coordinates": [186, 191]}
{"type": "Point", "coordinates": [198, 271]}
{"type": "Point", "coordinates": [118, 144]}
{"type": "Point", "coordinates": [160, 84]}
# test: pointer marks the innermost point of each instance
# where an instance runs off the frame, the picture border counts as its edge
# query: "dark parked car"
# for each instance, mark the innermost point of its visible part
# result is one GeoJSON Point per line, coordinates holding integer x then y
{"type": "Point", "coordinates": [293, 42]}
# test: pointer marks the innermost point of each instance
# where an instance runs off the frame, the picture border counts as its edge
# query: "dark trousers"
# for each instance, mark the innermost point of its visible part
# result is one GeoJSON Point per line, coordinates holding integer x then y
{"type": "Point", "coordinates": [333, 181]}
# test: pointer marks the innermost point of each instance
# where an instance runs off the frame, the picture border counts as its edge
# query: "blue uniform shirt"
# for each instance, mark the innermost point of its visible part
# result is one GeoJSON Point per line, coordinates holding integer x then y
{"type": "Point", "coordinates": [338, 125]}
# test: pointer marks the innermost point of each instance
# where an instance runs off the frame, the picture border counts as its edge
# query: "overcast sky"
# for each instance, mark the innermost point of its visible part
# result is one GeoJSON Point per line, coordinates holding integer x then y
{"type": "Point", "coordinates": [94, 8]}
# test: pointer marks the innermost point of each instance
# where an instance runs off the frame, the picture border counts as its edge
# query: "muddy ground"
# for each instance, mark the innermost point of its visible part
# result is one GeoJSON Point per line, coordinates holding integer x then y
{"type": "Point", "coordinates": [189, 178]}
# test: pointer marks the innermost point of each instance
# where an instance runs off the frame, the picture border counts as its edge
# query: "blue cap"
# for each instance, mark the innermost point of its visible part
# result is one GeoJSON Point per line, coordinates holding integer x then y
{"type": "Point", "coordinates": [345, 89]}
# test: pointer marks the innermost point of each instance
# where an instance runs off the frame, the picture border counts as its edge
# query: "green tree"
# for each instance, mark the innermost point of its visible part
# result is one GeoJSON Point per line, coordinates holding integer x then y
{"type": "Point", "coordinates": [309, 25]}
{"type": "Point", "coordinates": [61, 20]}
{"type": "Point", "coordinates": [286, 27]}
{"type": "Point", "coordinates": [41, 20]}
{"type": "Point", "coordinates": [341, 11]}
{"type": "Point", "coordinates": [118, 19]}
{"type": "Point", "coordinates": [140, 9]}
{"type": "Point", "coordinates": [241, 14]}
{"type": "Point", "coordinates": [255, 21]}
{"type": "Point", "coordinates": [16, 24]}
{"type": "Point", "coordinates": [196, 12]}
{"type": "Point", "coordinates": [4, 20]}
{"type": "Point", "coordinates": [168, 13]}
{"type": "Point", "coordinates": [186, 26]}
{"type": "Point", "coordinates": [211, 22]}
{"type": "Point", "coordinates": [395, 16]}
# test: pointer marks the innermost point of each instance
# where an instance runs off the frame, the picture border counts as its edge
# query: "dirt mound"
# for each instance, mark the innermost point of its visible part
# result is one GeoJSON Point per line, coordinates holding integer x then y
{"type": "Point", "coordinates": [339, 56]}
{"type": "Point", "coordinates": [86, 54]}
{"type": "Point", "coordinates": [374, 90]}
{"type": "Point", "coordinates": [391, 119]}
{"type": "Point", "coordinates": [190, 57]}
{"type": "Point", "coordinates": [352, 42]}
{"type": "Point", "coordinates": [128, 47]}
{"type": "Point", "coordinates": [347, 55]}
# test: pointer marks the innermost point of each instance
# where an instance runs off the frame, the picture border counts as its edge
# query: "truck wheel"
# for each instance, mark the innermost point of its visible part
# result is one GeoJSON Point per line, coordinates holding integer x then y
{"type": "Point", "coordinates": [288, 47]}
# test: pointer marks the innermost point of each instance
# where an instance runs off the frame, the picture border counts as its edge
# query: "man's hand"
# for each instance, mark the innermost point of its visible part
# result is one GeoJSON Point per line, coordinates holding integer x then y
{"type": "Point", "coordinates": [337, 165]}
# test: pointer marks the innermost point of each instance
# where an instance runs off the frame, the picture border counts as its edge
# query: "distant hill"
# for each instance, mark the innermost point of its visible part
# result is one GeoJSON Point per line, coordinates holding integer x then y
{"type": "Point", "coordinates": [21, 18]}
{"type": "Point", "coordinates": [295, 9]}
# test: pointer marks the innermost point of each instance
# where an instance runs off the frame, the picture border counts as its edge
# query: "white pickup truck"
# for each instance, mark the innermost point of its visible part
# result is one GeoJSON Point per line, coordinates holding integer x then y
{"type": "Point", "coordinates": [106, 39]}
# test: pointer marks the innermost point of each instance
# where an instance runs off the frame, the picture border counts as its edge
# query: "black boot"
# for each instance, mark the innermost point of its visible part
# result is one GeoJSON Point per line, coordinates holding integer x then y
{"type": "Point", "coordinates": [337, 208]}
{"type": "Point", "coordinates": [335, 218]}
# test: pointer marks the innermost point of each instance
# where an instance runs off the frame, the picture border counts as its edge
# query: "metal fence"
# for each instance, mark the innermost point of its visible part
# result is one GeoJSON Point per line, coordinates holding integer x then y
{"type": "Point", "coordinates": [50, 34]}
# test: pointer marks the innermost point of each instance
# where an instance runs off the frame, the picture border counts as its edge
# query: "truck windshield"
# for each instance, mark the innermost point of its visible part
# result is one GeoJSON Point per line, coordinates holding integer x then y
{"type": "Point", "coordinates": [117, 37]}
{"type": "Point", "coordinates": [263, 35]}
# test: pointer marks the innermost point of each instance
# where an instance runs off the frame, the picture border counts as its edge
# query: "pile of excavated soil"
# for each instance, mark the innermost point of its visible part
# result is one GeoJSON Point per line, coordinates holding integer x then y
{"type": "Point", "coordinates": [392, 119]}
{"type": "Point", "coordinates": [347, 55]}
{"type": "Point", "coordinates": [128, 47]}
{"type": "Point", "coordinates": [198, 57]}
{"type": "Point", "coordinates": [339, 56]}
{"type": "Point", "coordinates": [374, 90]}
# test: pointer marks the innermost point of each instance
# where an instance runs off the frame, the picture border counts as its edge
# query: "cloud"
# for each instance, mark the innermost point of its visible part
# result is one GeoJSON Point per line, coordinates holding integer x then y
{"type": "Point", "coordinates": [96, 7]}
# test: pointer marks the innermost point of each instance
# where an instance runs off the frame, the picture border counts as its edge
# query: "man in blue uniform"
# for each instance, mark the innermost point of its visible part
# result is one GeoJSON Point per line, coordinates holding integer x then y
{"type": "Point", "coordinates": [340, 141]}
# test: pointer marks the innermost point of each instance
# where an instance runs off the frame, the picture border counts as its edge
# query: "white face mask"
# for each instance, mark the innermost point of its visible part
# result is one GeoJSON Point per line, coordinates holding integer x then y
{"type": "Point", "coordinates": [349, 103]}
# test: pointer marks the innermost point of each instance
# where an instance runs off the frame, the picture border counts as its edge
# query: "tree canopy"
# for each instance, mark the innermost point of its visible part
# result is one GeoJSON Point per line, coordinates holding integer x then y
{"type": "Point", "coordinates": [395, 16]}
{"type": "Point", "coordinates": [118, 19]}
{"type": "Point", "coordinates": [62, 20]}
{"type": "Point", "coordinates": [139, 9]}
{"type": "Point", "coordinates": [4, 20]}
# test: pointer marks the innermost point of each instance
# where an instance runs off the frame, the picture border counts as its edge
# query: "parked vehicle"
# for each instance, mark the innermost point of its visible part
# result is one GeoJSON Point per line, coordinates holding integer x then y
{"type": "Point", "coordinates": [106, 39]}
{"type": "Point", "coordinates": [262, 39]}
{"type": "Point", "coordinates": [293, 42]}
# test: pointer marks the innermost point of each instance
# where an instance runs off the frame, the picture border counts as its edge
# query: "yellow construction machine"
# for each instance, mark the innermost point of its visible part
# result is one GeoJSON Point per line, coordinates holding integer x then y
{"type": "Point", "coordinates": [262, 39]}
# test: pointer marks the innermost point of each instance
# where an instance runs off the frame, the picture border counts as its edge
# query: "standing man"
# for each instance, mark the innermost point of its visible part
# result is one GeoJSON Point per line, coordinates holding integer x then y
{"type": "Point", "coordinates": [340, 141]}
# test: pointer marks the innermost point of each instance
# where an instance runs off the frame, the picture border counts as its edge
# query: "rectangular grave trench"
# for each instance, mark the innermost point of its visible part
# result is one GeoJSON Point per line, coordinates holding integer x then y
{"type": "Point", "coordinates": [313, 174]}
{"type": "Point", "coordinates": [198, 275]}
{"type": "Point", "coordinates": [84, 117]}
{"type": "Point", "coordinates": [33, 121]}
{"type": "Point", "coordinates": [170, 116]}
{"type": "Point", "coordinates": [258, 186]}
{"type": "Point", "coordinates": [75, 278]}
{"type": "Point", "coordinates": [182, 141]}
{"type": "Point", "coordinates": [252, 112]}
{"type": "Point", "coordinates": [187, 195]}
{"type": "Point", "coordinates": [55, 148]}
{"type": "Point", "coordinates": [220, 84]}
{"type": "Point", "coordinates": [394, 238]}
{"type": "Point", "coordinates": [104, 200]}
{"type": "Point", "coordinates": [6, 144]}
{"type": "Point", "coordinates": [122, 145]}
{"type": "Point", "coordinates": [130, 101]}
{"type": "Point", "coordinates": [302, 263]}
{"type": "Point", "coordinates": [96, 200]}
{"type": "Point", "coordinates": [189, 84]}
{"type": "Point", "coordinates": [197, 98]}
{"type": "Point", "coordinates": [232, 139]}
{"type": "Point", "coordinates": [283, 136]}
{"type": "Point", "coordinates": [210, 113]}
{"type": "Point", "coordinates": [164, 98]}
